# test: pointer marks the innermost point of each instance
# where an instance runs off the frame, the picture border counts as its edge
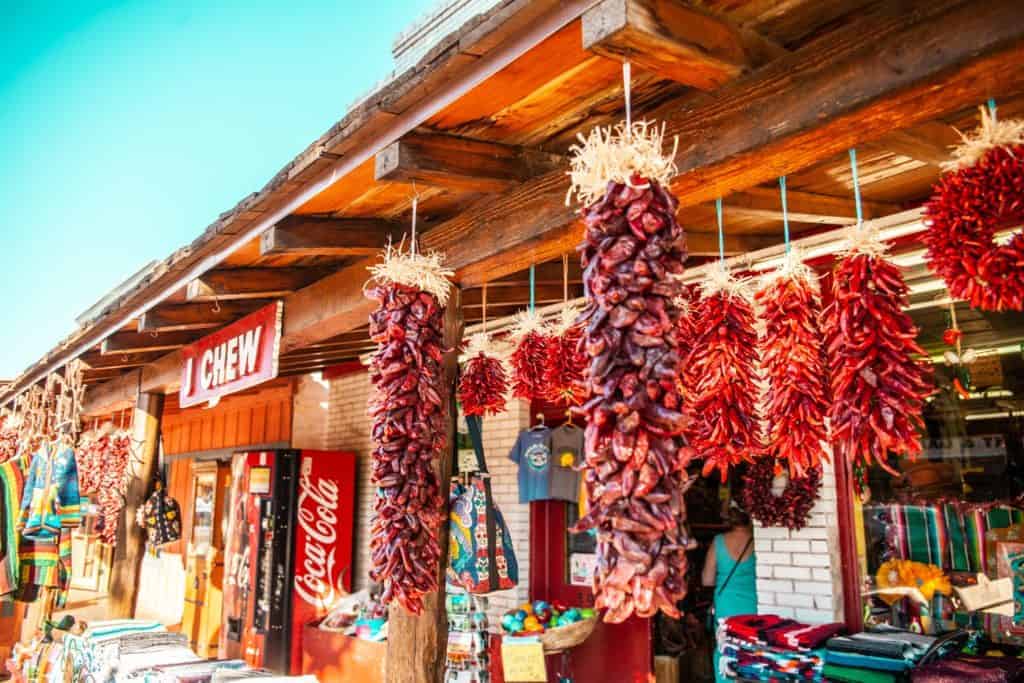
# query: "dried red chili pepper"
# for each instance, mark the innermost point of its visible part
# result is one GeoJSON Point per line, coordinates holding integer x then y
{"type": "Point", "coordinates": [966, 210]}
{"type": "Point", "coordinates": [793, 362]}
{"type": "Point", "coordinates": [880, 376]}
{"type": "Point", "coordinates": [635, 452]}
{"type": "Point", "coordinates": [722, 374]}
{"type": "Point", "coordinates": [408, 432]}
{"type": "Point", "coordinates": [527, 360]}
{"type": "Point", "coordinates": [565, 363]}
{"type": "Point", "coordinates": [791, 508]}
{"type": "Point", "coordinates": [483, 386]}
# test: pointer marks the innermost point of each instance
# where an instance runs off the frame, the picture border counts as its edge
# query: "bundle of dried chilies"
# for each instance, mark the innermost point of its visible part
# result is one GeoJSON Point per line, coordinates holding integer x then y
{"type": "Point", "coordinates": [722, 376]}
{"type": "Point", "coordinates": [408, 412]}
{"type": "Point", "coordinates": [565, 362]}
{"type": "Point", "coordinates": [793, 362]}
{"type": "Point", "coordinates": [529, 336]}
{"type": "Point", "coordinates": [104, 471]}
{"type": "Point", "coordinates": [483, 384]}
{"type": "Point", "coordinates": [880, 376]}
{"type": "Point", "coordinates": [635, 453]}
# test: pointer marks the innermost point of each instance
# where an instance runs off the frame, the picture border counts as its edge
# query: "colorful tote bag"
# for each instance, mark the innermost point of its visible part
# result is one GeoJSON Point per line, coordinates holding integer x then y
{"type": "Point", "coordinates": [480, 554]}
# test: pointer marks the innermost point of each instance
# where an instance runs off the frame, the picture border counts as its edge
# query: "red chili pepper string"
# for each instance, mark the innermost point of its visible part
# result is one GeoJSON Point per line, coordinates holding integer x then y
{"type": "Point", "coordinates": [722, 371]}
{"type": "Point", "coordinates": [880, 375]}
{"type": "Point", "coordinates": [792, 358]}
{"type": "Point", "coordinates": [790, 509]}
{"type": "Point", "coordinates": [564, 366]}
{"type": "Point", "coordinates": [528, 361]}
{"type": "Point", "coordinates": [483, 386]}
{"type": "Point", "coordinates": [635, 453]}
{"type": "Point", "coordinates": [408, 413]}
{"type": "Point", "coordinates": [965, 211]}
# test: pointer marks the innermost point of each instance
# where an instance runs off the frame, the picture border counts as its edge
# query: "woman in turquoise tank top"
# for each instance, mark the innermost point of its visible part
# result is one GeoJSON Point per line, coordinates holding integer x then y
{"type": "Point", "coordinates": [731, 568]}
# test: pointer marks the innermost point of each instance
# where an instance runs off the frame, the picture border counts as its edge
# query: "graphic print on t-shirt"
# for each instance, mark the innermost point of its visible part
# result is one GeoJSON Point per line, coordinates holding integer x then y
{"type": "Point", "coordinates": [537, 455]}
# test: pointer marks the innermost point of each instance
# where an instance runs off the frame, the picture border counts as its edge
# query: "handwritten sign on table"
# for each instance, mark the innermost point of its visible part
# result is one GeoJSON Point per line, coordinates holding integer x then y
{"type": "Point", "coordinates": [523, 661]}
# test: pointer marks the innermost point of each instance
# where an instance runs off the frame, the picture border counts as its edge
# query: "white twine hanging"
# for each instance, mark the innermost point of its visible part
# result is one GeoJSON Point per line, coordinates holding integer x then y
{"type": "Point", "coordinates": [990, 134]}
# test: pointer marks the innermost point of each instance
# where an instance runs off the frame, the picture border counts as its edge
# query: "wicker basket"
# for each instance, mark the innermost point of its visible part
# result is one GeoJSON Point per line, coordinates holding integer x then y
{"type": "Point", "coordinates": [563, 638]}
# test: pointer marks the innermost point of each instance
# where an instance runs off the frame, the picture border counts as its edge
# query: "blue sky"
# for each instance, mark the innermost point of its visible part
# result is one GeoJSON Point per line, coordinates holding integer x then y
{"type": "Point", "coordinates": [127, 127]}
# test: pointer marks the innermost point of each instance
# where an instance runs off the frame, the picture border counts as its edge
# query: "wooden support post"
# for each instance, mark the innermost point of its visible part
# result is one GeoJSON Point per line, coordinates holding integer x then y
{"type": "Point", "coordinates": [417, 645]}
{"type": "Point", "coordinates": [124, 575]}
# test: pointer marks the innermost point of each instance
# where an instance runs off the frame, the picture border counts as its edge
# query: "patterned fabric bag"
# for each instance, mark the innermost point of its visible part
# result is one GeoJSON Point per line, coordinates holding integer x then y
{"type": "Point", "coordinates": [480, 554]}
{"type": "Point", "coordinates": [161, 517]}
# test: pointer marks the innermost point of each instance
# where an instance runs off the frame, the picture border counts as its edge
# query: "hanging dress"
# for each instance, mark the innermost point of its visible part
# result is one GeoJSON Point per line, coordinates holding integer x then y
{"type": "Point", "coordinates": [736, 595]}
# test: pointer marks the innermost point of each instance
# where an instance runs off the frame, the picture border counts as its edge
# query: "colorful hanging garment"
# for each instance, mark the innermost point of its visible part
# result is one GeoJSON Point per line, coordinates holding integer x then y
{"type": "Point", "coordinates": [12, 483]}
{"type": "Point", "coordinates": [46, 563]}
{"type": "Point", "coordinates": [51, 501]}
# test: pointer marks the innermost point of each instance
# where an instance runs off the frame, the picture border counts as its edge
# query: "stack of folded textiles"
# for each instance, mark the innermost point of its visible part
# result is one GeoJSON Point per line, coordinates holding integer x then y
{"type": "Point", "coordinates": [880, 657]}
{"type": "Point", "coordinates": [761, 647]}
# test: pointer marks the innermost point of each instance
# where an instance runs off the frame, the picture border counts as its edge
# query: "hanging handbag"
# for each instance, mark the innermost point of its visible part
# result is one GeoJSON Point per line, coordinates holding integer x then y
{"type": "Point", "coordinates": [480, 558]}
{"type": "Point", "coordinates": [161, 517]}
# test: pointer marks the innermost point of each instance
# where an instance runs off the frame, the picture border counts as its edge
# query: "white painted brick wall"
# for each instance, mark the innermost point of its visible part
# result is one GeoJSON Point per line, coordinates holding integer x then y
{"type": "Point", "coordinates": [348, 428]}
{"type": "Point", "coordinates": [799, 572]}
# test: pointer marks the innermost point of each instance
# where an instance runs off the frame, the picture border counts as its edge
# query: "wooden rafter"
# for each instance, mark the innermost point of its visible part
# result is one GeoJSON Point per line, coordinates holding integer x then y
{"type": "Point", "coordinates": [97, 361]}
{"type": "Point", "coordinates": [764, 203]}
{"type": "Point", "coordinates": [308, 236]}
{"type": "Point", "coordinates": [196, 316]}
{"type": "Point", "coordinates": [250, 283]}
{"type": "Point", "coordinates": [460, 164]}
{"type": "Point", "coordinates": [672, 39]}
{"type": "Point", "coordinates": [144, 342]}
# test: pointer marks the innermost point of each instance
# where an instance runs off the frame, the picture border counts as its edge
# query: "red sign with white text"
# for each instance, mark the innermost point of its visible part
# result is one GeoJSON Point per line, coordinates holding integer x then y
{"type": "Point", "coordinates": [234, 358]}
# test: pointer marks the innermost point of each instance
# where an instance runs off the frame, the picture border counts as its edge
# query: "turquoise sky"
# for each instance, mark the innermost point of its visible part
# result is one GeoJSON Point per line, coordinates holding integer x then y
{"type": "Point", "coordinates": [127, 127]}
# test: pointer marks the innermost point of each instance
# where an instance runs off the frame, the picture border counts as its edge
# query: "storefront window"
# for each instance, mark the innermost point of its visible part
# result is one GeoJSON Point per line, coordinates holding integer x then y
{"type": "Point", "coordinates": [957, 510]}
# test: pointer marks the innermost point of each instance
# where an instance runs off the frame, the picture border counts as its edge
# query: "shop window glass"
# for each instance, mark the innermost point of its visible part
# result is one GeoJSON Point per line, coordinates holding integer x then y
{"type": "Point", "coordinates": [959, 506]}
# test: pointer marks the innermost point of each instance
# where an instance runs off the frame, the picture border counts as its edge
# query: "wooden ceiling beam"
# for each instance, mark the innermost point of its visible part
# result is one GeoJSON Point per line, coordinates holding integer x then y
{"type": "Point", "coordinates": [144, 342]}
{"type": "Point", "coordinates": [454, 163]}
{"type": "Point", "coordinates": [97, 361]}
{"type": "Point", "coordinates": [250, 283]}
{"type": "Point", "coordinates": [310, 236]}
{"type": "Point", "coordinates": [674, 40]}
{"type": "Point", "coordinates": [877, 74]}
{"type": "Point", "coordinates": [914, 145]}
{"type": "Point", "coordinates": [196, 316]}
{"type": "Point", "coordinates": [764, 203]}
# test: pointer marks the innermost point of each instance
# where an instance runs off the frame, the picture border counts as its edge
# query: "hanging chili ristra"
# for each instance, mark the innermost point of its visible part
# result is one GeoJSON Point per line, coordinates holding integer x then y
{"type": "Point", "coordinates": [634, 451]}
{"type": "Point", "coordinates": [722, 372]}
{"type": "Point", "coordinates": [880, 376]}
{"type": "Point", "coordinates": [483, 384]}
{"type": "Point", "coordinates": [793, 362]}
{"type": "Point", "coordinates": [408, 412]}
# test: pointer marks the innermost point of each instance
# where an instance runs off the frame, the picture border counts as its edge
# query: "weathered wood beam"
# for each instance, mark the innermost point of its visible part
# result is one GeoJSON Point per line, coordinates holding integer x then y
{"type": "Point", "coordinates": [460, 164]}
{"type": "Point", "coordinates": [674, 40]}
{"type": "Point", "coordinates": [250, 283]}
{"type": "Point", "coordinates": [912, 144]}
{"type": "Point", "coordinates": [97, 361]}
{"type": "Point", "coordinates": [765, 203]}
{"type": "Point", "coordinates": [196, 316]}
{"type": "Point", "coordinates": [882, 72]}
{"type": "Point", "coordinates": [309, 236]}
{"type": "Point", "coordinates": [144, 342]}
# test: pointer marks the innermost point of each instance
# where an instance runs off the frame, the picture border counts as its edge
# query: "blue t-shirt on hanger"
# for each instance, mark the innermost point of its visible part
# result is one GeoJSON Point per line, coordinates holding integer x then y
{"type": "Point", "coordinates": [532, 453]}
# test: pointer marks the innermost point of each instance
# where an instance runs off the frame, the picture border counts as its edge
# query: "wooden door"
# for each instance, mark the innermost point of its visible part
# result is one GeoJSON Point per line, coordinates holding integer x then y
{"type": "Point", "coordinates": [204, 557]}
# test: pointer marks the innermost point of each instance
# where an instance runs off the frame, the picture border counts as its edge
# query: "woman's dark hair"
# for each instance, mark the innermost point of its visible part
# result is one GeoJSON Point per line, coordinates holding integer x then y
{"type": "Point", "coordinates": [735, 517]}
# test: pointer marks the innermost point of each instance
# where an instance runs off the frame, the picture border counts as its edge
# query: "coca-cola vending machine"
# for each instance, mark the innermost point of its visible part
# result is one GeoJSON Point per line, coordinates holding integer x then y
{"type": "Point", "coordinates": [288, 554]}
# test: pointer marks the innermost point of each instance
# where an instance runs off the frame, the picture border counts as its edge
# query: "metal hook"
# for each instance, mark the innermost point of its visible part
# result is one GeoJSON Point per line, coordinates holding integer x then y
{"type": "Point", "coordinates": [216, 305]}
